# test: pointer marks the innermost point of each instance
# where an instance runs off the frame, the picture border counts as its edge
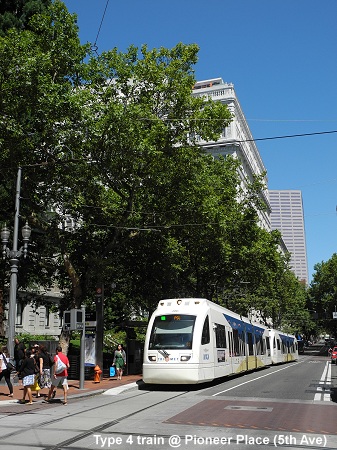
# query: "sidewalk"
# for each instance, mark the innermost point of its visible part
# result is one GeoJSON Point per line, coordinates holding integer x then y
{"type": "Point", "coordinates": [90, 388]}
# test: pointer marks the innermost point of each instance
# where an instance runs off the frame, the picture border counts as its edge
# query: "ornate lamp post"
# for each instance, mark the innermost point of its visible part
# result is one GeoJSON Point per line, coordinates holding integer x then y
{"type": "Point", "coordinates": [13, 256]}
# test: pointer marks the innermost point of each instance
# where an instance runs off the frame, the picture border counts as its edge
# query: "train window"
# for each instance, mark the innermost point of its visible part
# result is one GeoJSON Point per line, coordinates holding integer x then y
{"type": "Point", "coordinates": [172, 331]}
{"type": "Point", "coordinates": [220, 336]}
{"type": "Point", "coordinates": [250, 344]}
{"type": "Point", "coordinates": [242, 342]}
{"type": "Point", "coordinates": [259, 344]}
{"type": "Point", "coordinates": [205, 337]}
{"type": "Point", "coordinates": [236, 346]}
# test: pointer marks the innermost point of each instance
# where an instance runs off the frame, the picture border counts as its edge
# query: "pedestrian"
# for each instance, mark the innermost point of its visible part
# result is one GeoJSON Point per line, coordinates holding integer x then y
{"type": "Point", "coordinates": [45, 364]}
{"type": "Point", "coordinates": [4, 372]}
{"type": "Point", "coordinates": [27, 372]}
{"type": "Point", "coordinates": [119, 361]}
{"type": "Point", "coordinates": [60, 374]}
{"type": "Point", "coordinates": [19, 353]}
{"type": "Point", "coordinates": [35, 354]}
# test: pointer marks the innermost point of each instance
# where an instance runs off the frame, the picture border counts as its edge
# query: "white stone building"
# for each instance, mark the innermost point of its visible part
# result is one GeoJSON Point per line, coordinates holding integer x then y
{"type": "Point", "coordinates": [236, 139]}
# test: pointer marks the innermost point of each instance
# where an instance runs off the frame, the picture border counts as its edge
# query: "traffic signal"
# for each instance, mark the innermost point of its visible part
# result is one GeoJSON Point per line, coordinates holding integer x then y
{"type": "Point", "coordinates": [99, 293]}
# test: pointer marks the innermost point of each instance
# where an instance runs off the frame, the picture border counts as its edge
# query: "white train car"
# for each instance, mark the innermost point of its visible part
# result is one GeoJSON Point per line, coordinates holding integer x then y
{"type": "Point", "coordinates": [193, 340]}
{"type": "Point", "coordinates": [283, 347]}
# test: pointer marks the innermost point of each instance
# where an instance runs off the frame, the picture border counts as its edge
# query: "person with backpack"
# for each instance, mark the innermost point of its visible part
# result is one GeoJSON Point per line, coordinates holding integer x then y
{"type": "Point", "coordinates": [61, 366]}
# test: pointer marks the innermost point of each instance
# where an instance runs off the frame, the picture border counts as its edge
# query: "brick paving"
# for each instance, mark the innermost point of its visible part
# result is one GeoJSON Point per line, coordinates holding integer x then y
{"type": "Point", "coordinates": [90, 388]}
{"type": "Point", "coordinates": [280, 417]}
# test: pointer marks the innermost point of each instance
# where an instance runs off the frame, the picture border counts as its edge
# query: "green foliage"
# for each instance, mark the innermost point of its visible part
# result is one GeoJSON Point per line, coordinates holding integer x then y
{"type": "Point", "coordinates": [27, 338]}
{"type": "Point", "coordinates": [323, 293]}
{"type": "Point", "coordinates": [112, 143]}
{"type": "Point", "coordinates": [18, 13]}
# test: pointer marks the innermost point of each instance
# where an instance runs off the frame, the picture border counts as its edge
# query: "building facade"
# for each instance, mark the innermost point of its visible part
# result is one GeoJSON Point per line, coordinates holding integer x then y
{"type": "Point", "coordinates": [33, 319]}
{"type": "Point", "coordinates": [287, 217]}
{"type": "Point", "coordinates": [236, 139]}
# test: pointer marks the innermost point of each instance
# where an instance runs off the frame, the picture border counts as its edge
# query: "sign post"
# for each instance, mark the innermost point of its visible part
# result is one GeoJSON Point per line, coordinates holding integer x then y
{"type": "Point", "coordinates": [99, 324]}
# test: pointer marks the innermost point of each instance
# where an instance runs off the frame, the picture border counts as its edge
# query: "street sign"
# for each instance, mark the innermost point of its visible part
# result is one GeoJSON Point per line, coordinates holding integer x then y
{"type": "Point", "coordinates": [334, 315]}
{"type": "Point", "coordinates": [73, 320]}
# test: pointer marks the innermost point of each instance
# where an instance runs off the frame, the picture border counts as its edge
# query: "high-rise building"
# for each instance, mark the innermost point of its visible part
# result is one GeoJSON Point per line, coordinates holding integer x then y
{"type": "Point", "coordinates": [284, 208]}
{"type": "Point", "coordinates": [236, 139]}
{"type": "Point", "coordinates": [287, 217]}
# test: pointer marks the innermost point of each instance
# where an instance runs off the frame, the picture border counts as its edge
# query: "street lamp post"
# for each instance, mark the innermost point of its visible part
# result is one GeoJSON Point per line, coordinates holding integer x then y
{"type": "Point", "coordinates": [13, 256]}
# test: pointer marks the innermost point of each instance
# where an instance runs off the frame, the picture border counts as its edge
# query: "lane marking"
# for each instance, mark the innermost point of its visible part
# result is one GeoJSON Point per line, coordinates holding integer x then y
{"type": "Point", "coordinates": [325, 379]}
{"type": "Point", "coordinates": [255, 379]}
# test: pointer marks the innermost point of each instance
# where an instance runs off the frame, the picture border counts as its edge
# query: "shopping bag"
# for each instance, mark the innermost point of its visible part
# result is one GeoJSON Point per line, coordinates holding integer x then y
{"type": "Point", "coordinates": [60, 366]}
{"type": "Point", "coordinates": [112, 371]}
{"type": "Point", "coordinates": [36, 386]}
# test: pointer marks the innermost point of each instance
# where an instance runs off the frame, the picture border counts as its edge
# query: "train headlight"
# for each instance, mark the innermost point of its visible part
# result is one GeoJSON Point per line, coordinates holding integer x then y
{"type": "Point", "coordinates": [152, 358]}
{"type": "Point", "coordinates": [185, 358]}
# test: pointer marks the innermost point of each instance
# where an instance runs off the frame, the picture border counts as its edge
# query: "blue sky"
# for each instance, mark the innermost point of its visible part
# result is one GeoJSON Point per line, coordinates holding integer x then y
{"type": "Point", "coordinates": [281, 57]}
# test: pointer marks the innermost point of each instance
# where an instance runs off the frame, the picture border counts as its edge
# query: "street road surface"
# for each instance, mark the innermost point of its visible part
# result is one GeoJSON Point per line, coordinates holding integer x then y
{"type": "Point", "coordinates": [286, 406]}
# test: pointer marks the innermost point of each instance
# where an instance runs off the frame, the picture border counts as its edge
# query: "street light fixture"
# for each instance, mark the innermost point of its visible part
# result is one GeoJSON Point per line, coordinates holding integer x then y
{"type": "Point", "coordinates": [13, 256]}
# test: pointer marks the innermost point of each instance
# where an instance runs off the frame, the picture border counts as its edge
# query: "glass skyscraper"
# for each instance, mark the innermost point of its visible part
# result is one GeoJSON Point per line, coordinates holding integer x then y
{"type": "Point", "coordinates": [287, 217]}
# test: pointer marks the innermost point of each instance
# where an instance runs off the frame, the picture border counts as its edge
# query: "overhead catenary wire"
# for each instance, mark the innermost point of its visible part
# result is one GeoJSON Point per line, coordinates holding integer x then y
{"type": "Point", "coordinates": [286, 136]}
{"type": "Point", "coordinates": [94, 47]}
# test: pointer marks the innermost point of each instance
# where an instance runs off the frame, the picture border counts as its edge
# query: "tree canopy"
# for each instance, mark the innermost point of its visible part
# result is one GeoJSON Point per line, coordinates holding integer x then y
{"type": "Point", "coordinates": [116, 185]}
{"type": "Point", "coordinates": [323, 294]}
{"type": "Point", "coordinates": [17, 13]}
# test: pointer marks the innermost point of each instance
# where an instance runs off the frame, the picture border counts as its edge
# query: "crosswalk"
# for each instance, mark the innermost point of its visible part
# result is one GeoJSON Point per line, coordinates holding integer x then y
{"type": "Point", "coordinates": [322, 393]}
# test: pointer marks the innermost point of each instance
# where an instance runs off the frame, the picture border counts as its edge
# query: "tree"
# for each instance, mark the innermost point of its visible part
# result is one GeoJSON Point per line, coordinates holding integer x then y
{"type": "Point", "coordinates": [39, 68]}
{"type": "Point", "coordinates": [17, 13]}
{"type": "Point", "coordinates": [103, 144]}
{"type": "Point", "coordinates": [115, 182]}
{"type": "Point", "coordinates": [323, 293]}
{"type": "Point", "coordinates": [141, 125]}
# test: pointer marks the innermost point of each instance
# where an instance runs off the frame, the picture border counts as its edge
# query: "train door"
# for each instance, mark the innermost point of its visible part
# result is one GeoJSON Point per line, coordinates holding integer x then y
{"type": "Point", "coordinates": [206, 353]}
{"type": "Point", "coordinates": [230, 352]}
{"type": "Point", "coordinates": [268, 350]}
{"type": "Point", "coordinates": [221, 360]}
{"type": "Point", "coordinates": [251, 351]}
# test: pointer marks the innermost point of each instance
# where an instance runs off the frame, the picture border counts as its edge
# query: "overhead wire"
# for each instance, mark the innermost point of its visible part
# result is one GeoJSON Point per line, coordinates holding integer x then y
{"type": "Point", "coordinates": [287, 136]}
{"type": "Point", "coordinates": [94, 47]}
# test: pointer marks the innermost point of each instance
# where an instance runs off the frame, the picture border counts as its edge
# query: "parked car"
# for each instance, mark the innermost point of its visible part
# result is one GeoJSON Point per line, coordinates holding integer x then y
{"type": "Point", "coordinates": [333, 355]}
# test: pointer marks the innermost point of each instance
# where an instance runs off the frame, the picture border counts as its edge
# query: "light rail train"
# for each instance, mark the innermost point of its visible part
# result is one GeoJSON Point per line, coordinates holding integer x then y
{"type": "Point", "coordinates": [193, 340]}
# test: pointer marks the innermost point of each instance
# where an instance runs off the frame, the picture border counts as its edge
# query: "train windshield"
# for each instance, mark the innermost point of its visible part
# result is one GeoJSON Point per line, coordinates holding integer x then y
{"type": "Point", "coordinates": [172, 331]}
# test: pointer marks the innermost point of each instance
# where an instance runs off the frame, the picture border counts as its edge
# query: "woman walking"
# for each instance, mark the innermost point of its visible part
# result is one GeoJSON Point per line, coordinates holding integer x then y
{"type": "Point", "coordinates": [119, 361]}
{"type": "Point", "coordinates": [44, 365]}
{"type": "Point", "coordinates": [27, 370]}
{"type": "Point", "coordinates": [4, 372]}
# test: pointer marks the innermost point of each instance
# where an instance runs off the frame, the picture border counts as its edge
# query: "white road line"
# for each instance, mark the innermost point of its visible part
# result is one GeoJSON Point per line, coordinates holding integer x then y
{"type": "Point", "coordinates": [325, 379]}
{"type": "Point", "coordinates": [255, 379]}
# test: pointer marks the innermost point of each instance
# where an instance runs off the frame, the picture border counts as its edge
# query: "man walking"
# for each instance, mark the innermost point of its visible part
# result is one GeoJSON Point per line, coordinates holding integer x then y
{"type": "Point", "coordinates": [59, 378]}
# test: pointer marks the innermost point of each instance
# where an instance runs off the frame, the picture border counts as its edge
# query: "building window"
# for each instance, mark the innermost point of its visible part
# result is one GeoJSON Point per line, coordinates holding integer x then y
{"type": "Point", "coordinates": [46, 319]}
{"type": "Point", "coordinates": [19, 313]}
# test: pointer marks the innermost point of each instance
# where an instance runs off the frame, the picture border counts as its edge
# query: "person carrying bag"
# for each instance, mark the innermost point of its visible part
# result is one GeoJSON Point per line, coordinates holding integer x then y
{"type": "Point", "coordinates": [6, 368]}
